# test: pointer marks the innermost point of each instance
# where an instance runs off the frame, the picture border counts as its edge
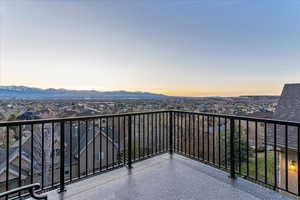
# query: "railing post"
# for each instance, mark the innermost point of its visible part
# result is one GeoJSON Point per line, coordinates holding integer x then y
{"type": "Point", "coordinates": [171, 132]}
{"type": "Point", "coordinates": [62, 158]}
{"type": "Point", "coordinates": [129, 143]}
{"type": "Point", "coordinates": [232, 157]}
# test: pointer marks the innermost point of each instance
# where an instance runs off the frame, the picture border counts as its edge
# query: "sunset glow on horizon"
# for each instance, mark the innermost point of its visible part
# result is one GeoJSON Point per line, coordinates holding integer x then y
{"type": "Point", "coordinates": [177, 48]}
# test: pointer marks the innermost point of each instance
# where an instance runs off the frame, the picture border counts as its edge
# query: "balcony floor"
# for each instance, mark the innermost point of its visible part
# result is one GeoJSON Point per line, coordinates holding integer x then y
{"type": "Point", "coordinates": [165, 178]}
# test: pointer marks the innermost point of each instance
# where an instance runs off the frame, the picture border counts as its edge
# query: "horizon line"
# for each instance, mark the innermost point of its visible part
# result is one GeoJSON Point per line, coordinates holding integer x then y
{"type": "Point", "coordinates": [140, 91]}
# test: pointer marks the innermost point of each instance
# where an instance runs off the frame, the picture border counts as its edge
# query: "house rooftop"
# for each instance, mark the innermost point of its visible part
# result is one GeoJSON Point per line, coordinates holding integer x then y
{"type": "Point", "coordinates": [165, 177]}
{"type": "Point", "coordinates": [288, 109]}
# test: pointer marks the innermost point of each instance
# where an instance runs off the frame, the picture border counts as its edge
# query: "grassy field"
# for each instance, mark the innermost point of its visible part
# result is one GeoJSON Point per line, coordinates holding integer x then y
{"type": "Point", "coordinates": [261, 166]}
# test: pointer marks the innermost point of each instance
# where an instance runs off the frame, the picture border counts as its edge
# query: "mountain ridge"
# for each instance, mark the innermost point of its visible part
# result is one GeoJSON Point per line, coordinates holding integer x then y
{"type": "Point", "coordinates": [24, 92]}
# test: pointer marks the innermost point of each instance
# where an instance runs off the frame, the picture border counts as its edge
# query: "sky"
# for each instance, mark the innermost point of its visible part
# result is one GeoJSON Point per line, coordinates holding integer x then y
{"type": "Point", "coordinates": [174, 47]}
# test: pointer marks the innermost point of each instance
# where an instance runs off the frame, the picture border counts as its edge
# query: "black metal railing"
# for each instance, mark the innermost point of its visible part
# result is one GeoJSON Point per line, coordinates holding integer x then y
{"type": "Point", "coordinates": [56, 152]}
{"type": "Point", "coordinates": [264, 151]}
{"type": "Point", "coordinates": [30, 188]}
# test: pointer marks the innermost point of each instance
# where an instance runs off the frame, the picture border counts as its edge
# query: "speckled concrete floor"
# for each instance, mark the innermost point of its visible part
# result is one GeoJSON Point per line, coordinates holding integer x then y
{"type": "Point", "coordinates": [165, 178]}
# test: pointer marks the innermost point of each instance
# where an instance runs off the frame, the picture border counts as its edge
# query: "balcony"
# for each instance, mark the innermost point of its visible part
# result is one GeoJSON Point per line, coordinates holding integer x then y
{"type": "Point", "coordinates": [165, 177]}
{"type": "Point", "coordinates": [153, 155]}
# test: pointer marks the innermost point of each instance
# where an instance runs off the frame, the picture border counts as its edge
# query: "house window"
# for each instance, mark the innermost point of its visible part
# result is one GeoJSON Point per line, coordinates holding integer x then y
{"type": "Point", "coordinates": [99, 155]}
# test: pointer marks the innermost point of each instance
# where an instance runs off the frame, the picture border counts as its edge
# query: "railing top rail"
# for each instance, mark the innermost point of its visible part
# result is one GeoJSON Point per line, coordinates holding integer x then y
{"type": "Point", "coordinates": [265, 120]}
{"type": "Point", "coordinates": [55, 120]}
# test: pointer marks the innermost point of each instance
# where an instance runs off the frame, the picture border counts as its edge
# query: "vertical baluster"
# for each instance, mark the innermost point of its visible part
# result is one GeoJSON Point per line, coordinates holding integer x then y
{"type": "Point", "coordinates": [124, 137]}
{"type": "Point", "coordinates": [266, 154]}
{"type": "Point", "coordinates": [181, 132]}
{"type": "Point", "coordinates": [134, 137]}
{"type": "Point", "coordinates": [124, 130]}
{"type": "Point", "coordinates": [100, 148]}
{"type": "Point", "coordinates": [194, 137]}
{"type": "Point", "coordinates": [203, 149]}
{"type": "Point", "coordinates": [225, 143]}
{"type": "Point", "coordinates": [219, 140]}
{"type": "Point", "coordinates": [148, 135]}
{"type": "Point", "coordinates": [71, 150]}
{"type": "Point", "coordinates": [32, 150]}
{"type": "Point", "coordinates": [143, 136]}
{"type": "Point", "coordinates": [213, 130]}
{"type": "Point", "coordinates": [240, 153]}
{"type": "Point", "coordinates": [107, 135]}
{"type": "Point", "coordinates": [94, 148]}
{"type": "Point", "coordinates": [166, 131]}
{"type": "Point", "coordinates": [256, 156]}
{"type": "Point", "coordinates": [208, 143]}
{"type": "Point", "coordinates": [160, 131]}
{"type": "Point", "coordinates": [52, 154]}
{"type": "Point", "coordinates": [20, 158]}
{"type": "Point", "coordinates": [185, 134]}
{"type": "Point", "coordinates": [178, 130]}
{"type": "Point", "coordinates": [247, 130]}
{"type": "Point", "coordinates": [124, 140]}
{"type": "Point", "coordinates": [275, 156]}
{"type": "Point", "coordinates": [129, 142]}
{"type": "Point", "coordinates": [7, 160]}
{"type": "Point", "coordinates": [232, 156]}
{"type": "Point", "coordinates": [62, 157]}
{"type": "Point", "coordinates": [189, 134]}
{"type": "Point", "coordinates": [152, 133]}
{"type": "Point", "coordinates": [119, 142]}
{"type": "Point", "coordinates": [78, 147]}
{"type": "Point", "coordinates": [198, 117]}
{"type": "Point", "coordinates": [43, 155]}
{"type": "Point", "coordinates": [174, 132]}
{"type": "Point", "coordinates": [113, 142]}
{"type": "Point", "coordinates": [139, 135]}
{"type": "Point", "coordinates": [171, 133]}
{"type": "Point", "coordinates": [156, 134]}
{"type": "Point", "coordinates": [86, 147]}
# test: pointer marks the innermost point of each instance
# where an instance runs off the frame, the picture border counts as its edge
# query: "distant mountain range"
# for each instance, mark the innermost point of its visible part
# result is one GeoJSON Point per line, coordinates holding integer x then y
{"type": "Point", "coordinates": [22, 92]}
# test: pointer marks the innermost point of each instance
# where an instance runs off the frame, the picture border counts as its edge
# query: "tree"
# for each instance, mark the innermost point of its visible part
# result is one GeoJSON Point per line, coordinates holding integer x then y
{"type": "Point", "coordinates": [240, 147]}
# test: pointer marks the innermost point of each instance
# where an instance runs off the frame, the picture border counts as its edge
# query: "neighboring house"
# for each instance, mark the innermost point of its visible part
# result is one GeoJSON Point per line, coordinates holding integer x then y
{"type": "Point", "coordinates": [105, 155]}
{"type": "Point", "coordinates": [14, 166]}
{"type": "Point", "coordinates": [100, 154]}
{"type": "Point", "coordinates": [288, 109]}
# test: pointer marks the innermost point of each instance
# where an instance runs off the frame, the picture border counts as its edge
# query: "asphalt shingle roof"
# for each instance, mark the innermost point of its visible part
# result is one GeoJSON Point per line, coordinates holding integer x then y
{"type": "Point", "coordinates": [288, 109]}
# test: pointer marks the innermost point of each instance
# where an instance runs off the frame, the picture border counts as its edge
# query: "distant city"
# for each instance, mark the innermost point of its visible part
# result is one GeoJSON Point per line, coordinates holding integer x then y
{"type": "Point", "coordinates": [24, 103]}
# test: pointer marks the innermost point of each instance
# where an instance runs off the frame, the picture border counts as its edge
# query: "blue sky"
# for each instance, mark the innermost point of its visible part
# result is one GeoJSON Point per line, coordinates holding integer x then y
{"type": "Point", "coordinates": [176, 47]}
